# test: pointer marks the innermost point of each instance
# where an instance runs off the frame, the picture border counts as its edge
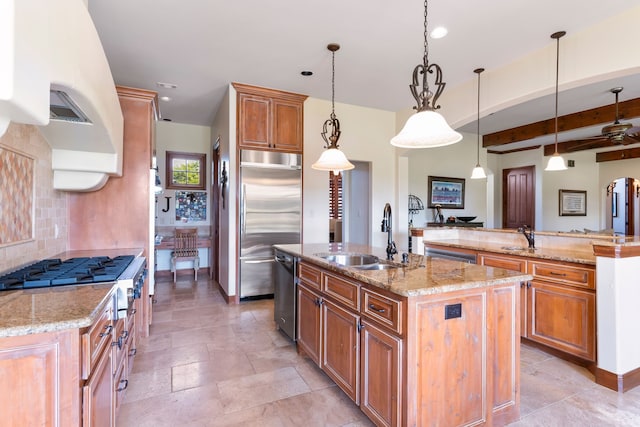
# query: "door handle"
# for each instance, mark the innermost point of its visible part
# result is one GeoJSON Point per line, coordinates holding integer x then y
{"type": "Point", "coordinates": [244, 209]}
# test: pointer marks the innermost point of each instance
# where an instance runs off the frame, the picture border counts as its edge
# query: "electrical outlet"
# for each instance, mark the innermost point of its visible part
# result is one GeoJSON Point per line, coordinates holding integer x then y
{"type": "Point", "coordinates": [452, 311]}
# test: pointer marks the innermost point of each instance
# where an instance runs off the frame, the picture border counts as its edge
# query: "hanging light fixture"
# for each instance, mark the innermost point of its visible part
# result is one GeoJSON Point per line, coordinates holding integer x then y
{"type": "Point", "coordinates": [426, 128]}
{"type": "Point", "coordinates": [556, 162]}
{"type": "Point", "coordinates": [478, 172]}
{"type": "Point", "coordinates": [332, 159]}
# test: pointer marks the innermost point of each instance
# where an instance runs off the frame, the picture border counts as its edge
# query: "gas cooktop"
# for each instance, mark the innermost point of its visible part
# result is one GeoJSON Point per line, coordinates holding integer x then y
{"type": "Point", "coordinates": [74, 271]}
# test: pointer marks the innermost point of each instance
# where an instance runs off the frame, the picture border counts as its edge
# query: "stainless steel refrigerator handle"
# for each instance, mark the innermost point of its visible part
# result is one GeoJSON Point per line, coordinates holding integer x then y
{"type": "Point", "coordinates": [244, 209]}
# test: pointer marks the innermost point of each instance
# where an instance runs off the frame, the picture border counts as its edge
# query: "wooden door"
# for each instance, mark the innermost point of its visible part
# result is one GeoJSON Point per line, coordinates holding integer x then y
{"type": "Point", "coordinates": [98, 407]}
{"type": "Point", "coordinates": [341, 348]}
{"type": "Point", "coordinates": [518, 197]}
{"type": "Point", "coordinates": [381, 380]}
{"type": "Point", "coordinates": [309, 323]}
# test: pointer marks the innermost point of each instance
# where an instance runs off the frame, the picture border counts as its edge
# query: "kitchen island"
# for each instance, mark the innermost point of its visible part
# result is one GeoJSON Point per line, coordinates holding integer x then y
{"type": "Point", "coordinates": [427, 342]}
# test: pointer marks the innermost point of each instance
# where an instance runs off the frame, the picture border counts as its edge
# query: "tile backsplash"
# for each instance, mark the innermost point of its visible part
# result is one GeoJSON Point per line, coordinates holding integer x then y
{"type": "Point", "coordinates": [51, 213]}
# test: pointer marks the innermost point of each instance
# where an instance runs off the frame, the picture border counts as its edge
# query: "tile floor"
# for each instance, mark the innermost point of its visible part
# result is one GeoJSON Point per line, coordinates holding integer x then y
{"type": "Point", "coordinates": [207, 363]}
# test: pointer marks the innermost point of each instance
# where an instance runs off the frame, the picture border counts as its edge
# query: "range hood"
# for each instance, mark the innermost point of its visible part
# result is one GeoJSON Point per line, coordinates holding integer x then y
{"type": "Point", "coordinates": [54, 74]}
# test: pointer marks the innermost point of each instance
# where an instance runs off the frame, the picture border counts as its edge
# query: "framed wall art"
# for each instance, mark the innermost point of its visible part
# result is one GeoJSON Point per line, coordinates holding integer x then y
{"type": "Point", "coordinates": [573, 202]}
{"type": "Point", "coordinates": [448, 193]}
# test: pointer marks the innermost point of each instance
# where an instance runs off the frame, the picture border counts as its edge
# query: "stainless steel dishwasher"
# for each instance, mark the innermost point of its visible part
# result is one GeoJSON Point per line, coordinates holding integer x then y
{"type": "Point", "coordinates": [284, 292]}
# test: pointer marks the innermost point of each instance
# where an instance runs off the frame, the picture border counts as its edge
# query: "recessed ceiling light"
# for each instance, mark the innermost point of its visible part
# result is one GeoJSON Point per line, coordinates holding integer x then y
{"type": "Point", "coordinates": [439, 32]}
{"type": "Point", "coordinates": [167, 85]}
{"type": "Point", "coordinates": [307, 73]}
{"type": "Point", "coordinates": [165, 98]}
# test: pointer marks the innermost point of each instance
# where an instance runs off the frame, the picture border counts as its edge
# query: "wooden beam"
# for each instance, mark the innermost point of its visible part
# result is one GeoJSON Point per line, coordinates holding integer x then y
{"type": "Point", "coordinates": [574, 146]}
{"type": "Point", "coordinates": [595, 116]}
{"type": "Point", "coordinates": [515, 150]}
{"type": "Point", "coordinates": [609, 156]}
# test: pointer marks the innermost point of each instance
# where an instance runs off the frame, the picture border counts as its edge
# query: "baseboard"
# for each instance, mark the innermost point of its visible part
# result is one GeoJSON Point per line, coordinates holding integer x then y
{"type": "Point", "coordinates": [620, 383]}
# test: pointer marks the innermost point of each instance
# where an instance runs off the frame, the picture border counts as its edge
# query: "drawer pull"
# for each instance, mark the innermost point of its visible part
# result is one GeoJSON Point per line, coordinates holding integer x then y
{"type": "Point", "coordinates": [107, 331]}
{"type": "Point", "coordinates": [133, 351]}
{"type": "Point", "coordinates": [374, 308]}
{"type": "Point", "coordinates": [126, 384]}
{"type": "Point", "coordinates": [553, 273]}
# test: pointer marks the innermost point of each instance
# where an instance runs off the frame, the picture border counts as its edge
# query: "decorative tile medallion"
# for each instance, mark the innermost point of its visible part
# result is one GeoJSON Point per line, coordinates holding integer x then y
{"type": "Point", "coordinates": [17, 190]}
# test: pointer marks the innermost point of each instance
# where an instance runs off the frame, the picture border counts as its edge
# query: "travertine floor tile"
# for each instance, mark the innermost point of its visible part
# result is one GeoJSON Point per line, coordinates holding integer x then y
{"type": "Point", "coordinates": [210, 364]}
{"type": "Point", "coordinates": [258, 389]}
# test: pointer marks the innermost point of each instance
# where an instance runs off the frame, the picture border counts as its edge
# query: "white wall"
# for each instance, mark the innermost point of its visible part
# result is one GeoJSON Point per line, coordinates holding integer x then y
{"type": "Point", "coordinates": [366, 133]}
{"type": "Point", "coordinates": [452, 161]}
{"type": "Point", "coordinates": [183, 138]}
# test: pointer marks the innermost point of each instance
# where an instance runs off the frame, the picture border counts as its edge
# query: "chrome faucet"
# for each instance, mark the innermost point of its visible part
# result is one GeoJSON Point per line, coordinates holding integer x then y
{"type": "Point", "coordinates": [386, 227]}
{"type": "Point", "coordinates": [530, 236]}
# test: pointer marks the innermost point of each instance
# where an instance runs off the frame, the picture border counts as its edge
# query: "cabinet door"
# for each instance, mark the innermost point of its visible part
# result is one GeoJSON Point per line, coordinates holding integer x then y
{"type": "Point", "coordinates": [515, 264]}
{"type": "Point", "coordinates": [563, 318]}
{"type": "Point", "coordinates": [97, 395]}
{"type": "Point", "coordinates": [341, 348]}
{"type": "Point", "coordinates": [254, 121]}
{"type": "Point", "coordinates": [309, 323]}
{"type": "Point", "coordinates": [287, 126]}
{"type": "Point", "coordinates": [381, 376]}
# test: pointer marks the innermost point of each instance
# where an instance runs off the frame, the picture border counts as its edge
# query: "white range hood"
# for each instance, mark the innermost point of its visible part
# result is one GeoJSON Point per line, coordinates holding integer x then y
{"type": "Point", "coordinates": [50, 54]}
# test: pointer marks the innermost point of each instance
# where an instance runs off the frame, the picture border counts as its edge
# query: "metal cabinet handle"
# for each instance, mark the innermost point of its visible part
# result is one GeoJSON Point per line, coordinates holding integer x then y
{"type": "Point", "coordinates": [374, 308]}
{"type": "Point", "coordinates": [119, 342]}
{"type": "Point", "coordinates": [134, 311]}
{"type": "Point", "coordinates": [553, 273]}
{"type": "Point", "coordinates": [528, 284]}
{"type": "Point", "coordinates": [133, 352]}
{"type": "Point", "coordinates": [126, 384]}
{"type": "Point", "coordinates": [107, 331]}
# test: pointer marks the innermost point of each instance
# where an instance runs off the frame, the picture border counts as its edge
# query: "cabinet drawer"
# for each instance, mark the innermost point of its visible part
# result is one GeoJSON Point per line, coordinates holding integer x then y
{"type": "Point", "coordinates": [311, 275]}
{"type": "Point", "coordinates": [342, 290]}
{"type": "Point", "coordinates": [96, 340]}
{"type": "Point", "coordinates": [583, 277]}
{"type": "Point", "coordinates": [120, 339]}
{"type": "Point", "coordinates": [385, 310]}
{"type": "Point", "coordinates": [506, 262]}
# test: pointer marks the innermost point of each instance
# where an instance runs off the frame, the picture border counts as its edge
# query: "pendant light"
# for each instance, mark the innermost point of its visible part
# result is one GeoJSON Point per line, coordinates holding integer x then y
{"type": "Point", "coordinates": [478, 172]}
{"type": "Point", "coordinates": [332, 159]}
{"type": "Point", "coordinates": [556, 162]}
{"type": "Point", "coordinates": [426, 128]}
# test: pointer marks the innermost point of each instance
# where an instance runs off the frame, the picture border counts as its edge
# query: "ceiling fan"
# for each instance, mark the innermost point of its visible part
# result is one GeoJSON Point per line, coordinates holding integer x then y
{"type": "Point", "coordinates": [613, 134]}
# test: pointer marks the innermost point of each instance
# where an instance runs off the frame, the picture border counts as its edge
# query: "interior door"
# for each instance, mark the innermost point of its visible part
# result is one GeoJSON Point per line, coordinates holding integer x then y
{"type": "Point", "coordinates": [518, 197]}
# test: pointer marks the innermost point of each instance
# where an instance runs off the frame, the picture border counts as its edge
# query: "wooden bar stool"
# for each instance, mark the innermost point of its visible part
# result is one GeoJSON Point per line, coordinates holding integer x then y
{"type": "Point", "coordinates": [185, 249]}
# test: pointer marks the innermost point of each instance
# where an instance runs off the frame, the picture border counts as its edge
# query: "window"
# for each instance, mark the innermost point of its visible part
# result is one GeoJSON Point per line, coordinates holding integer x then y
{"type": "Point", "coordinates": [335, 196]}
{"type": "Point", "coordinates": [186, 171]}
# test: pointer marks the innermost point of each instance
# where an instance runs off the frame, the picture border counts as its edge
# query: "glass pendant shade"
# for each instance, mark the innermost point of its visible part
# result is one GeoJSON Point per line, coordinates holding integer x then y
{"type": "Point", "coordinates": [426, 129]}
{"type": "Point", "coordinates": [332, 159]}
{"type": "Point", "coordinates": [478, 173]}
{"type": "Point", "coordinates": [556, 163]}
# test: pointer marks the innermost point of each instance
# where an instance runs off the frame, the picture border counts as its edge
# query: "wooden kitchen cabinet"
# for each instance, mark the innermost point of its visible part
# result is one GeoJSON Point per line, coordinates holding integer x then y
{"type": "Point", "coordinates": [309, 337]}
{"type": "Point", "coordinates": [562, 307]}
{"type": "Point", "coordinates": [97, 395]}
{"type": "Point", "coordinates": [558, 305]}
{"type": "Point", "coordinates": [45, 370]}
{"type": "Point", "coordinates": [341, 347]}
{"type": "Point", "coordinates": [398, 357]}
{"type": "Point", "coordinates": [381, 397]}
{"type": "Point", "coordinates": [269, 119]}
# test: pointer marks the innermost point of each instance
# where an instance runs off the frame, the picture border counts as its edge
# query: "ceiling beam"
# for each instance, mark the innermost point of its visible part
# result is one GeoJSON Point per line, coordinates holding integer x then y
{"type": "Point", "coordinates": [574, 146]}
{"type": "Point", "coordinates": [609, 156]}
{"type": "Point", "coordinates": [595, 116]}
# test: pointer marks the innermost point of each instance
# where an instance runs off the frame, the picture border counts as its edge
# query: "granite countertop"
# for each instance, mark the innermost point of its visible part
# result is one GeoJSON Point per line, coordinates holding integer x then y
{"type": "Point", "coordinates": [31, 311]}
{"type": "Point", "coordinates": [580, 255]}
{"type": "Point", "coordinates": [420, 276]}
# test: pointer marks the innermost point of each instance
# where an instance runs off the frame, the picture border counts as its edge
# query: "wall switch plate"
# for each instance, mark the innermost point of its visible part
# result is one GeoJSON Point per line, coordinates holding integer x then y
{"type": "Point", "coordinates": [452, 311]}
{"type": "Point", "coordinates": [571, 163]}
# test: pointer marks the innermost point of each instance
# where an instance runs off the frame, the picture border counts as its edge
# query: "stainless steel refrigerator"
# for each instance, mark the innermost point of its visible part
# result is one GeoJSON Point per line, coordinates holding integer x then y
{"type": "Point", "coordinates": [270, 213]}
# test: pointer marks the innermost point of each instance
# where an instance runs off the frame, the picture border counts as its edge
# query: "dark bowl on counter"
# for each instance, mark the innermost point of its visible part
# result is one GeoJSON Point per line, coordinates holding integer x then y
{"type": "Point", "coordinates": [466, 218]}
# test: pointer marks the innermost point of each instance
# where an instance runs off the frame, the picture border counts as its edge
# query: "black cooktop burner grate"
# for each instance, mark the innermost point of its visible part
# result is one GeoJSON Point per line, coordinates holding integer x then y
{"type": "Point", "coordinates": [74, 271]}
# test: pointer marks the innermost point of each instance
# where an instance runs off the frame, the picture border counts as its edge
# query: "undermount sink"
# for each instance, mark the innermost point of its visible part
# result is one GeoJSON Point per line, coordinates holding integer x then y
{"type": "Point", "coordinates": [378, 266]}
{"type": "Point", "coordinates": [350, 260]}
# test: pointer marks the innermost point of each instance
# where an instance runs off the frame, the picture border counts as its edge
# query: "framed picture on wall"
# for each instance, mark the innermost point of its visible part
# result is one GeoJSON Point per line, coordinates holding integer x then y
{"type": "Point", "coordinates": [573, 202]}
{"type": "Point", "coordinates": [448, 193]}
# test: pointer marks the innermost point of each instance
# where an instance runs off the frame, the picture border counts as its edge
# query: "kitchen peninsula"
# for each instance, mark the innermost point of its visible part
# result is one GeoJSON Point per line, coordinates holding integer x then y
{"type": "Point", "coordinates": [425, 342]}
